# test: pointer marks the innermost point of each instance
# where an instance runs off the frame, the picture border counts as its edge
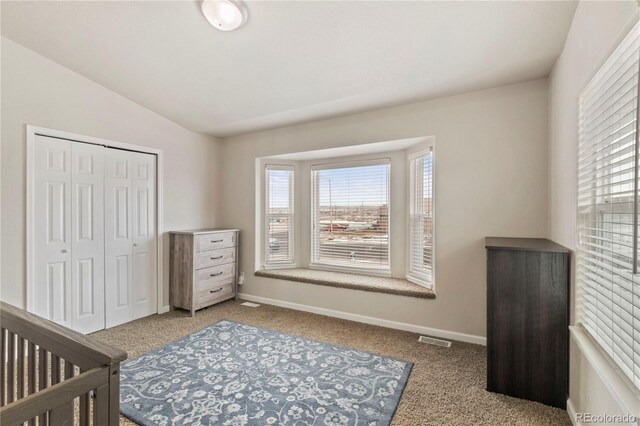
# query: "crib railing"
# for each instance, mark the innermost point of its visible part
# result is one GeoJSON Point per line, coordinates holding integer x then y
{"type": "Point", "coordinates": [51, 375]}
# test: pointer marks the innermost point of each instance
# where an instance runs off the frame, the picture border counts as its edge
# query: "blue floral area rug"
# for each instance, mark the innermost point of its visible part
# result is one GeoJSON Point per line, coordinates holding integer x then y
{"type": "Point", "coordinates": [234, 374]}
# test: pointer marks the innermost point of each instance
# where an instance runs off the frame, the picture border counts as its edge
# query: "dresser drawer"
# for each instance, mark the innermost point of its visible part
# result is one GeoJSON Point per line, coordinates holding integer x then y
{"type": "Point", "coordinates": [215, 241]}
{"type": "Point", "coordinates": [223, 290]}
{"type": "Point", "coordinates": [210, 277]}
{"type": "Point", "coordinates": [209, 258]}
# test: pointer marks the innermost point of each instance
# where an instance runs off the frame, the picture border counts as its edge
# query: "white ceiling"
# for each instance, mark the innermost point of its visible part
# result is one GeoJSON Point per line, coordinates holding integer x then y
{"type": "Point", "coordinates": [293, 61]}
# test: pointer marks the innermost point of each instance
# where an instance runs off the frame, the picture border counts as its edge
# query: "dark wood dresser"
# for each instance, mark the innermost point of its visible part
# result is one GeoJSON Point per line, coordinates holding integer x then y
{"type": "Point", "coordinates": [528, 319]}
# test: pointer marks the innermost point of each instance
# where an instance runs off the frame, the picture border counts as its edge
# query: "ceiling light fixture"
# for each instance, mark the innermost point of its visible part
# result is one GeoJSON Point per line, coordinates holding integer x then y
{"type": "Point", "coordinates": [225, 15]}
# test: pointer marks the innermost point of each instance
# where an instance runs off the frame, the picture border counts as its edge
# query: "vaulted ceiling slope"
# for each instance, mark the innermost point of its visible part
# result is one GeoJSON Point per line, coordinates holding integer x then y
{"type": "Point", "coordinates": [293, 61]}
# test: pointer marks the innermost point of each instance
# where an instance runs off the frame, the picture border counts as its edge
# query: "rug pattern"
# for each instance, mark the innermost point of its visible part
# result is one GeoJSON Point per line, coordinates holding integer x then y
{"type": "Point", "coordinates": [234, 374]}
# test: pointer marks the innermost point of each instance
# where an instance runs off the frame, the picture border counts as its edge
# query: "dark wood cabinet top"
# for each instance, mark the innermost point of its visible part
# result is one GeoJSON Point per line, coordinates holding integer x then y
{"type": "Point", "coordinates": [524, 244]}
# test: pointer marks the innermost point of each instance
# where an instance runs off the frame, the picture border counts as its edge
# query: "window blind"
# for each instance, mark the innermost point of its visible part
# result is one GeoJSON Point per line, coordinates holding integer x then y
{"type": "Point", "coordinates": [279, 215]}
{"type": "Point", "coordinates": [351, 216]}
{"type": "Point", "coordinates": [421, 217]}
{"type": "Point", "coordinates": [608, 293]}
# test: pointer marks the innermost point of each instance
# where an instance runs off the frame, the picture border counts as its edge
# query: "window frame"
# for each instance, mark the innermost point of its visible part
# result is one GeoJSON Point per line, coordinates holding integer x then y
{"type": "Point", "coordinates": [581, 311]}
{"type": "Point", "coordinates": [420, 279]}
{"type": "Point", "coordinates": [362, 270]}
{"type": "Point", "coordinates": [290, 263]}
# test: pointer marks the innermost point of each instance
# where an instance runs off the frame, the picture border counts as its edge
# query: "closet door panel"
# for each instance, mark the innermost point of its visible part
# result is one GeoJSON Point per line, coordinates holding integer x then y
{"type": "Point", "coordinates": [145, 289]}
{"type": "Point", "coordinates": [118, 237]}
{"type": "Point", "coordinates": [87, 200]}
{"type": "Point", "coordinates": [51, 285]}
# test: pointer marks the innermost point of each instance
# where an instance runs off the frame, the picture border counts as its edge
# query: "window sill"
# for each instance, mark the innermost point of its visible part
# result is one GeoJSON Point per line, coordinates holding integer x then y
{"type": "Point", "coordinates": [278, 267]}
{"type": "Point", "coordinates": [386, 285]}
{"type": "Point", "coordinates": [351, 270]}
{"type": "Point", "coordinates": [623, 392]}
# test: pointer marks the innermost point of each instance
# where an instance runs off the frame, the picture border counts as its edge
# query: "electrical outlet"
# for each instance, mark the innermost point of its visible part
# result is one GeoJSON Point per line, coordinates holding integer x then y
{"type": "Point", "coordinates": [241, 278]}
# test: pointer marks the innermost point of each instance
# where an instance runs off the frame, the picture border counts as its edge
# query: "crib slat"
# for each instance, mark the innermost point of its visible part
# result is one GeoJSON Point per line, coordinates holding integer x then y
{"type": "Point", "coordinates": [31, 373]}
{"type": "Point", "coordinates": [31, 368]}
{"type": "Point", "coordinates": [20, 372]}
{"type": "Point", "coordinates": [101, 406]}
{"type": "Point", "coordinates": [3, 363]}
{"type": "Point", "coordinates": [11, 368]}
{"type": "Point", "coordinates": [43, 374]}
{"type": "Point", "coordinates": [43, 368]}
{"type": "Point", "coordinates": [85, 407]}
{"type": "Point", "coordinates": [55, 369]}
{"type": "Point", "coordinates": [68, 370]}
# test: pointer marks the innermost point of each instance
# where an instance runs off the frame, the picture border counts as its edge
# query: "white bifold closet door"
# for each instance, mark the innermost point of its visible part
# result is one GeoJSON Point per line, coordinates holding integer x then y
{"type": "Point", "coordinates": [69, 234]}
{"type": "Point", "coordinates": [94, 234]}
{"type": "Point", "coordinates": [130, 239]}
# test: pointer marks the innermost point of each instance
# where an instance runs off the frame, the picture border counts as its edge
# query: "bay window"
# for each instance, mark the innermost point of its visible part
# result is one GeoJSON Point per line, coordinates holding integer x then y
{"type": "Point", "coordinates": [342, 214]}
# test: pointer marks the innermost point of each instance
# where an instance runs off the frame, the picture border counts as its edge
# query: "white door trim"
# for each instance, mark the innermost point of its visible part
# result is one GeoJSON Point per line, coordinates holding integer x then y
{"type": "Point", "coordinates": [31, 132]}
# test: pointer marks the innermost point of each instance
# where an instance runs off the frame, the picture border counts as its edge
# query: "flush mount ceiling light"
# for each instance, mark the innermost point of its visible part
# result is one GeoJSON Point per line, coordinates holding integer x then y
{"type": "Point", "coordinates": [225, 15]}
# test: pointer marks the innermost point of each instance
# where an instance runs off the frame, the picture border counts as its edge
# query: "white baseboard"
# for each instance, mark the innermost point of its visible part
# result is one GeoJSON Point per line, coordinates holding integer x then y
{"type": "Point", "coordinates": [572, 412]}
{"type": "Point", "coordinates": [469, 338]}
{"type": "Point", "coordinates": [164, 309]}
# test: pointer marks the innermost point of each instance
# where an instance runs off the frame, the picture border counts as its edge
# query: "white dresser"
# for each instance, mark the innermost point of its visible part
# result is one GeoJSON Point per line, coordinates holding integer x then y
{"type": "Point", "coordinates": [203, 267]}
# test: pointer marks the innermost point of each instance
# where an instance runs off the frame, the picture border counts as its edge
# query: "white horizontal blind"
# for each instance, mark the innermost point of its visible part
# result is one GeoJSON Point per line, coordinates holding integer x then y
{"type": "Point", "coordinates": [421, 216]}
{"type": "Point", "coordinates": [351, 216]}
{"type": "Point", "coordinates": [608, 296]}
{"type": "Point", "coordinates": [279, 216]}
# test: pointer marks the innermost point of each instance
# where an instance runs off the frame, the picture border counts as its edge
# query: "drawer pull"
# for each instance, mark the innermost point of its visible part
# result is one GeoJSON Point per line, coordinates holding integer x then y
{"type": "Point", "coordinates": [217, 257]}
{"type": "Point", "coordinates": [217, 241]}
{"type": "Point", "coordinates": [216, 291]}
{"type": "Point", "coordinates": [216, 274]}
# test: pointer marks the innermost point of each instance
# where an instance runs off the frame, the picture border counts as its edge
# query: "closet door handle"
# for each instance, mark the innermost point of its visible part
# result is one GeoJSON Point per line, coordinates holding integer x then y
{"type": "Point", "coordinates": [216, 291]}
{"type": "Point", "coordinates": [217, 241]}
{"type": "Point", "coordinates": [65, 251]}
{"type": "Point", "coordinates": [216, 274]}
{"type": "Point", "coordinates": [217, 257]}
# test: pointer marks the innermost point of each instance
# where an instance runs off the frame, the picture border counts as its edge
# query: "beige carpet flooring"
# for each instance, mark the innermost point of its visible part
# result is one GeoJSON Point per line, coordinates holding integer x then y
{"type": "Point", "coordinates": [446, 385]}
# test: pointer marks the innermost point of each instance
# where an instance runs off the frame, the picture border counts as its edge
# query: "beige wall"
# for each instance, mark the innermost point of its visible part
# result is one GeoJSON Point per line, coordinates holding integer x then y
{"type": "Point", "coordinates": [40, 92]}
{"type": "Point", "coordinates": [491, 179]}
{"type": "Point", "coordinates": [596, 28]}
